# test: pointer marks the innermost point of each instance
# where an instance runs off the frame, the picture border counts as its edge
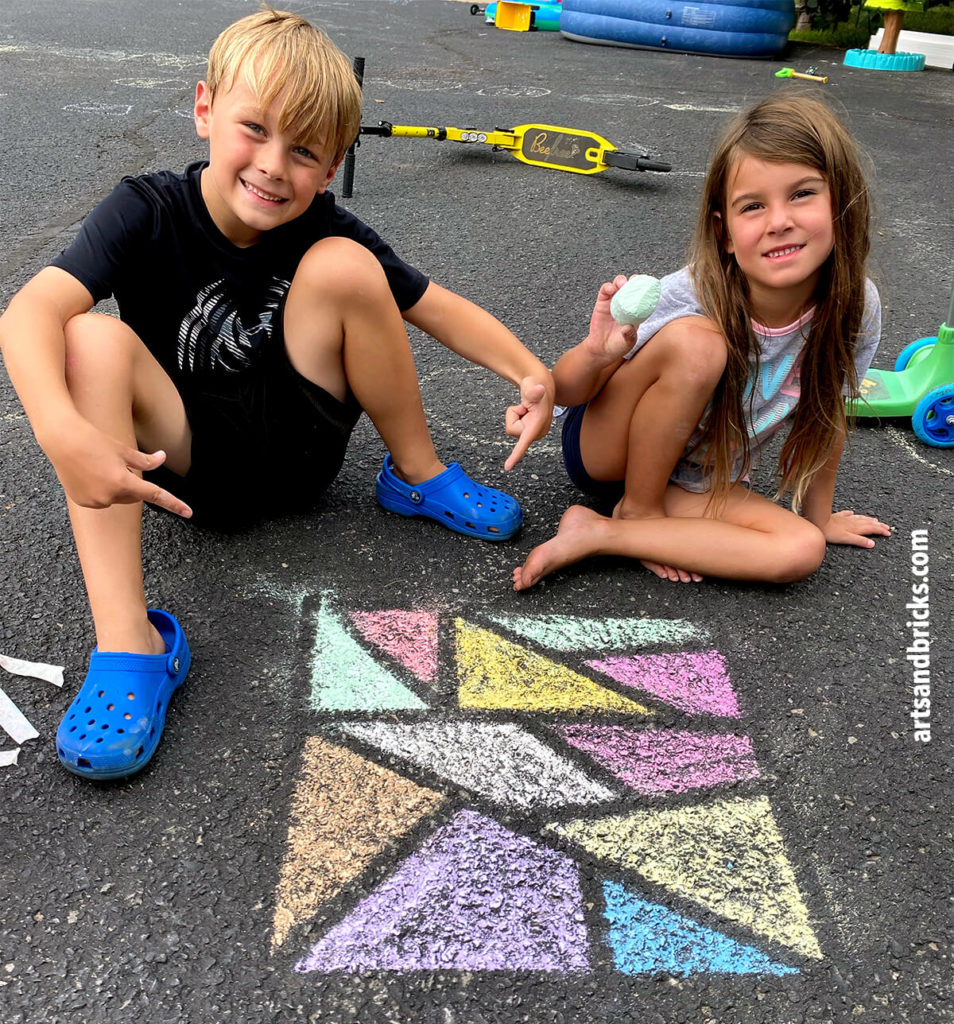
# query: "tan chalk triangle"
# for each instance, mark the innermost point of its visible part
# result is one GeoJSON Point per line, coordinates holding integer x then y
{"type": "Point", "coordinates": [365, 803]}
{"type": "Point", "coordinates": [496, 673]}
{"type": "Point", "coordinates": [727, 856]}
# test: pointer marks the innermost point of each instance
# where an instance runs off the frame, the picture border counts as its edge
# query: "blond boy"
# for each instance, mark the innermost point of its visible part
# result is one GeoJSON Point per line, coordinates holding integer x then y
{"type": "Point", "coordinates": [257, 321]}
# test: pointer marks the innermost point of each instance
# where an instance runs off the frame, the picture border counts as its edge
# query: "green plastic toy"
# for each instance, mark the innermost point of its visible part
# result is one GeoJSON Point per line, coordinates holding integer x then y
{"type": "Point", "coordinates": [920, 386]}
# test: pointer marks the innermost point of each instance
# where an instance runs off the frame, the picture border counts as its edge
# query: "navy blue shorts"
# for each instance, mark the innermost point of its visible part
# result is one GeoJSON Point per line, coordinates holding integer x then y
{"type": "Point", "coordinates": [609, 490]}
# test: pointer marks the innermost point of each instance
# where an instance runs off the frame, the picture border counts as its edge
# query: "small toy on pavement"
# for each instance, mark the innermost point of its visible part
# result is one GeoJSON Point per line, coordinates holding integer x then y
{"type": "Point", "coordinates": [792, 73]}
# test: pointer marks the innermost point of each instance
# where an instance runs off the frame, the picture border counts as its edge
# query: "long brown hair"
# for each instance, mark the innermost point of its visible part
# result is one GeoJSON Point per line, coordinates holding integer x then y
{"type": "Point", "coordinates": [802, 129]}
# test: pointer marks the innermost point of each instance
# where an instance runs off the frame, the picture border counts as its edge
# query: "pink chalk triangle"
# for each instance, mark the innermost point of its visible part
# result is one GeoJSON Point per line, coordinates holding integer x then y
{"type": "Point", "coordinates": [694, 682]}
{"type": "Point", "coordinates": [409, 637]}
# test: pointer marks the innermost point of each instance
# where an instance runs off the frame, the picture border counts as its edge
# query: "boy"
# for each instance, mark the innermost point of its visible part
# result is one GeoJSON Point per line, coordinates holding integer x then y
{"type": "Point", "coordinates": [257, 321]}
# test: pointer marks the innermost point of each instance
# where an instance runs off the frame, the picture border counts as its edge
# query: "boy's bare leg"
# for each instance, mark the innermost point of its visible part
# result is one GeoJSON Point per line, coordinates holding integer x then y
{"type": "Point", "coordinates": [120, 388]}
{"type": "Point", "coordinates": [343, 330]}
{"type": "Point", "coordinates": [753, 539]}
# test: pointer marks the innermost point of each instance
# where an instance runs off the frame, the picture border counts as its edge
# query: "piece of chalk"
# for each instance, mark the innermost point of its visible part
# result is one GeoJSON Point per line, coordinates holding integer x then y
{"type": "Point", "coordinates": [635, 300]}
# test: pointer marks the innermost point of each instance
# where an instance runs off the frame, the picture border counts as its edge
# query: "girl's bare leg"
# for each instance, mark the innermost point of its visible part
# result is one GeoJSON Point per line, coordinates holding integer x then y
{"type": "Point", "coordinates": [753, 539]}
{"type": "Point", "coordinates": [343, 331]}
{"type": "Point", "coordinates": [654, 403]}
{"type": "Point", "coordinates": [120, 388]}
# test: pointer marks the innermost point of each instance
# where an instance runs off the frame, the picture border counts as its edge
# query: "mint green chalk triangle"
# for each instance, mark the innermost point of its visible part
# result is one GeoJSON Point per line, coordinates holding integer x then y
{"type": "Point", "coordinates": [569, 633]}
{"type": "Point", "coordinates": [344, 676]}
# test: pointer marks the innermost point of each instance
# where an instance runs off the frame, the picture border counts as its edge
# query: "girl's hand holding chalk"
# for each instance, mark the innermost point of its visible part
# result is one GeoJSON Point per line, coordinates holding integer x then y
{"type": "Point", "coordinates": [635, 300]}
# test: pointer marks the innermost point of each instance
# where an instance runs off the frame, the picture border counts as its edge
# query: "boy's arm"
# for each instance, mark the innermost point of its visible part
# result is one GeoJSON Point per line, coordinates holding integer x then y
{"type": "Point", "coordinates": [475, 334]}
{"type": "Point", "coordinates": [838, 527]}
{"type": "Point", "coordinates": [93, 467]}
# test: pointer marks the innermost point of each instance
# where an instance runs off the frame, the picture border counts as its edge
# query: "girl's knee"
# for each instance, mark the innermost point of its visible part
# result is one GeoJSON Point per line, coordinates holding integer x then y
{"type": "Point", "coordinates": [799, 554]}
{"type": "Point", "coordinates": [694, 351]}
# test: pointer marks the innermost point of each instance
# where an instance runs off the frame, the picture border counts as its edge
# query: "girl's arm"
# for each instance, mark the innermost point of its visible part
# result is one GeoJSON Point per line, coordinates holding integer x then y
{"type": "Point", "coordinates": [581, 372]}
{"type": "Point", "coordinates": [475, 334]}
{"type": "Point", "coordinates": [838, 527]}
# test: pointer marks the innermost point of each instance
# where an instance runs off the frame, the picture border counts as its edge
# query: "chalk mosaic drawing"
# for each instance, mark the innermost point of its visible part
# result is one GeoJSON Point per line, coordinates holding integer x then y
{"type": "Point", "coordinates": [531, 793]}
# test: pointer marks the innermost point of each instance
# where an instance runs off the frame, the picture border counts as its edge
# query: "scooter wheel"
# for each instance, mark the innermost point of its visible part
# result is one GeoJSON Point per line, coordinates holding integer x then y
{"type": "Point", "coordinates": [933, 418]}
{"type": "Point", "coordinates": [907, 353]}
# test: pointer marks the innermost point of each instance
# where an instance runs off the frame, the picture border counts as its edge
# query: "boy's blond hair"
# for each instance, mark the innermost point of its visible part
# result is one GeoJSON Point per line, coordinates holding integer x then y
{"type": "Point", "coordinates": [278, 52]}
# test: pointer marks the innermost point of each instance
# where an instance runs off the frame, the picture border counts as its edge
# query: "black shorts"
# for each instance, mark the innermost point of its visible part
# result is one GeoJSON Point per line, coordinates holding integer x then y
{"type": "Point", "coordinates": [608, 490]}
{"type": "Point", "coordinates": [265, 441]}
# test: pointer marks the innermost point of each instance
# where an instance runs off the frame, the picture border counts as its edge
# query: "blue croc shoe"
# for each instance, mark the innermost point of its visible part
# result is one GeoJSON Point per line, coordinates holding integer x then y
{"type": "Point", "coordinates": [453, 499]}
{"type": "Point", "coordinates": [114, 725]}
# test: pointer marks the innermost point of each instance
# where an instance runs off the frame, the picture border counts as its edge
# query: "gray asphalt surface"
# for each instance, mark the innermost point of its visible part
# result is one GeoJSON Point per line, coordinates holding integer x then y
{"type": "Point", "coordinates": [154, 900]}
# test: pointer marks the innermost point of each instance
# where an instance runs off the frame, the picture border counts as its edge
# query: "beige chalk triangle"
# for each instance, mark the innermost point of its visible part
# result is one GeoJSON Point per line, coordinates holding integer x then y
{"type": "Point", "coordinates": [496, 673]}
{"type": "Point", "coordinates": [727, 856]}
{"type": "Point", "coordinates": [345, 811]}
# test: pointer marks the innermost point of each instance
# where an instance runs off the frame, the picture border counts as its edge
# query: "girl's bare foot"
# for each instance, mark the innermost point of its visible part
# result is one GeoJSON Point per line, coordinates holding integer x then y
{"type": "Point", "coordinates": [575, 539]}
{"type": "Point", "coordinates": [664, 572]}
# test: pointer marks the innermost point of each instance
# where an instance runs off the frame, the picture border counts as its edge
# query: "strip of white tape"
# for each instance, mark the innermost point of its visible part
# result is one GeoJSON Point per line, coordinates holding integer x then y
{"type": "Point", "coordinates": [13, 722]}
{"type": "Point", "coordinates": [35, 669]}
{"type": "Point", "coordinates": [8, 757]}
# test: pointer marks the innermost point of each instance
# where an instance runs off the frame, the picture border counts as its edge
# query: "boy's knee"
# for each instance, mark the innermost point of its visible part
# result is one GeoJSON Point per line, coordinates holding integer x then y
{"type": "Point", "coordinates": [341, 266]}
{"type": "Point", "coordinates": [94, 342]}
{"type": "Point", "coordinates": [799, 554]}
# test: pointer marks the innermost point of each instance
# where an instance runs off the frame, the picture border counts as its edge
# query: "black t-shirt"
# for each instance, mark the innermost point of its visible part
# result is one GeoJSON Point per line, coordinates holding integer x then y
{"type": "Point", "coordinates": [203, 306]}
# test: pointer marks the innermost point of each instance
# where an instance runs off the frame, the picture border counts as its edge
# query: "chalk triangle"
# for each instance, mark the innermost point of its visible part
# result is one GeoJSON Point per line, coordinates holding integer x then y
{"type": "Point", "coordinates": [665, 760]}
{"type": "Point", "coordinates": [409, 637]}
{"type": "Point", "coordinates": [567, 633]}
{"type": "Point", "coordinates": [474, 897]}
{"type": "Point", "coordinates": [499, 761]}
{"type": "Point", "coordinates": [344, 677]}
{"type": "Point", "coordinates": [496, 673]}
{"type": "Point", "coordinates": [727, 856]}
{"type": "Point", "coordinates": [694, 682]}
{"type": "Point", "coordinates": [368, 804]}
{"type": "Point", "coordinates": [646, 938]}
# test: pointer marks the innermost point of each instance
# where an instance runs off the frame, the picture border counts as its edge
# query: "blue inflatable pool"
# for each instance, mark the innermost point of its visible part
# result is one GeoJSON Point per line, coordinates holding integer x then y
{"type": "Point", "coordinates": [729, 28]}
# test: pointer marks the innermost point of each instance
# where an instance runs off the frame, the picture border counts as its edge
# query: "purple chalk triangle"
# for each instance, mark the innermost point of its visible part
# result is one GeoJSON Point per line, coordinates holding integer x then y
{"type": "Point", "coordinates": [474, 897]}
{"type": "Point", "coordinates": [409, 637]}
{"type": "Point", "coordinates": [694, 682]}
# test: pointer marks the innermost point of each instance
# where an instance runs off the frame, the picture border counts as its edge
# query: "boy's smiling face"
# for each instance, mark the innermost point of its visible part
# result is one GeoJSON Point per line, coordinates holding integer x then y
{"type": "Point", "coordinates": [258, 176]}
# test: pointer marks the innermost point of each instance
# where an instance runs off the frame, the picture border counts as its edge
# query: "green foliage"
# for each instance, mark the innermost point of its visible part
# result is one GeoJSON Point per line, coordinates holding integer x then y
{"type": "Point", "coordinates": [827, 14]}
{"type": "Point", "coordinates": [845, 23]}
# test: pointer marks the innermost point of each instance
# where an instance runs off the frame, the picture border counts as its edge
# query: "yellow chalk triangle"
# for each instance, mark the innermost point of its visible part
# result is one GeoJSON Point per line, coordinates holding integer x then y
{"type": "Point", "coordinates": [726, 856]}
{"type": "Point", "coordinates": [497, 673]}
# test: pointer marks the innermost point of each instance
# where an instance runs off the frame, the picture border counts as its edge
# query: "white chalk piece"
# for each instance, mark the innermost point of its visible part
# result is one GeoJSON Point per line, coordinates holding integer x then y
{"type": "Point", "coordinates": [13, 722]}
{"type": "Point", "coordinates": [8, 757]}
{"type": "Point", "coordinates": [35, 669]}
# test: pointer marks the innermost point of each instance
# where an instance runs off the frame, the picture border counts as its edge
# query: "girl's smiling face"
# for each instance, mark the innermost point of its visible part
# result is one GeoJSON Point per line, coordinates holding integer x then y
{"type": "Point", "coordinates": [258, 176]}
{"type": "Point", "coordinates": [779, 227]}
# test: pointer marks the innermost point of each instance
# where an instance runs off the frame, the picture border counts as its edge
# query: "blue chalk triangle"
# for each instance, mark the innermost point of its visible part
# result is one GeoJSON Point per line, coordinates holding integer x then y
{"type": "Point", "coordinates": [646, 938]}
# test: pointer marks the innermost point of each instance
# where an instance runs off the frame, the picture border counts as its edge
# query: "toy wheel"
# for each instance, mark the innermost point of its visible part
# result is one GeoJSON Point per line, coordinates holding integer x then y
{"type": "Point", "coordinates": [905, 357]}
{"type": "Point", "coordinates": [933, 418]}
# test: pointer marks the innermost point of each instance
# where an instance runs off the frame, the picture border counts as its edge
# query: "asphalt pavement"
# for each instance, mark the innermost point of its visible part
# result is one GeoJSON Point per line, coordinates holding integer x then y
{"type": "Point", "coordinates": [394, 790]}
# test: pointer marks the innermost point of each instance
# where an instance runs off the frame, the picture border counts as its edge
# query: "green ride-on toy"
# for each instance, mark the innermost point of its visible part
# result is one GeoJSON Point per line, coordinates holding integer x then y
{"type": "Point", "coordinates": [920, 386]}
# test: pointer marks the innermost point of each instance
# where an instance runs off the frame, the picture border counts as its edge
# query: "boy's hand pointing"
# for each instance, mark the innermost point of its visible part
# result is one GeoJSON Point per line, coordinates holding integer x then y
{"type": "Point", "coordinates": [530, 419]}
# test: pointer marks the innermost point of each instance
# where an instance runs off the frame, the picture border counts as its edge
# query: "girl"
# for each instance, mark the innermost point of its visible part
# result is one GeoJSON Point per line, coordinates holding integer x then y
{"type": "Point", "coordinates": [773, 318]}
